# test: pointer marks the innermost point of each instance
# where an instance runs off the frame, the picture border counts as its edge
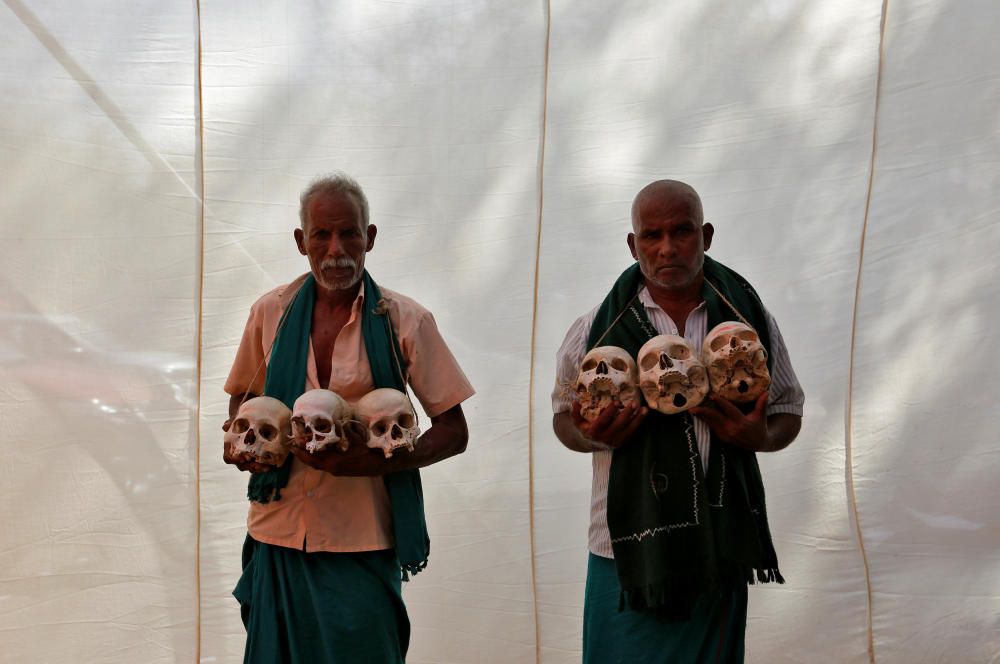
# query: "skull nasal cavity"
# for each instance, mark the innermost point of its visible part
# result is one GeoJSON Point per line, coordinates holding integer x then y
{"type": "Point", "coordinates": [602, 367]}
{"type": "Point", "coordinates": [665, 362]}
{"type": "Point", "coordinates": [742, 387]}
{"type": "Point", "coordinates": [396, 433]}
{"type": "Point", "coordinates": [250, 437]}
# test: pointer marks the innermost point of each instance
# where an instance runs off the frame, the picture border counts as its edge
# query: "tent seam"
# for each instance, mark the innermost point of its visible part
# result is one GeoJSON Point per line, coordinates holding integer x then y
{"type": "Point", "coordinates": [849, 415]}
{"type": "Point", "coordinates": [200, 176]}
{"type": "Point", "coordinates": [534, 328]}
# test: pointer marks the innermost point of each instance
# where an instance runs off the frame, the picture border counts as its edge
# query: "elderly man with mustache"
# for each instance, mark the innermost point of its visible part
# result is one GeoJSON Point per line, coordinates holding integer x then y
{"type": "Point", "coordinates": [332, 535]}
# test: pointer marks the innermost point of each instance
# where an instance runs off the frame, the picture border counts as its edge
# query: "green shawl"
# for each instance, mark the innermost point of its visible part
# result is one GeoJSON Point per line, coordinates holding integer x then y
{"type": "Point", "coordinates": [675, 532]}
{"type": "Point", "coordinates": [286, 378]}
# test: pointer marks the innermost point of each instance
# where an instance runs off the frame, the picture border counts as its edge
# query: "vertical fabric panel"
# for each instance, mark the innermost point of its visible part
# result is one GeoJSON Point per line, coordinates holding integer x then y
{"type": "Point", "coordinates": [435, 109]}
{"type": "Point", "coordinates": [925, 386]}
{"type": "Point", "coordinates": [98, 341]}
{"type": "Point", "coordinates": [766, 109]}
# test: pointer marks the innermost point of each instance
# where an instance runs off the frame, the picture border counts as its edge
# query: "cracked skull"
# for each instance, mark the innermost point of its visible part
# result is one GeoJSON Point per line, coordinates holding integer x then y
{"type": "Point", "coordinates": [671, 376]}
{"type": "Point", "coordinates": [260, 431]}
{"type": "Point", "coordinates": [318, 418]}
{"type": "Point", "coordinates": [736, 361]}
{"type": "Point", "coordinates": [390, 420]}
{"type": "Point", "coordinates": [608, 376]}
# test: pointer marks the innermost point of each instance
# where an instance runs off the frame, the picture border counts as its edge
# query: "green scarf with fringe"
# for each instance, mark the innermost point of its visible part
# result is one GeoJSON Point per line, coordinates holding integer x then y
{"type": "Point", "coordinates": [676, 533]}
{"type": "Point", "coordinates": [286, 379]}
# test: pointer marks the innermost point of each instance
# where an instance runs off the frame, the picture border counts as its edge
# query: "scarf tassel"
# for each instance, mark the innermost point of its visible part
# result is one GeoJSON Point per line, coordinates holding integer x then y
{"type": "Point", "coordinates": [768, 575]}
{"type": "Point", "coordinates": [412, 569]}
{"type": "Point", "coordinates": [265, 487]}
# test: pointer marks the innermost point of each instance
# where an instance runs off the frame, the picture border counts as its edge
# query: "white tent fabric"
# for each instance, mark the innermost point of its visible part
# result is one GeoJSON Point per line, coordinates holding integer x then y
{"type": "Point", "coordinates": [152, 155]}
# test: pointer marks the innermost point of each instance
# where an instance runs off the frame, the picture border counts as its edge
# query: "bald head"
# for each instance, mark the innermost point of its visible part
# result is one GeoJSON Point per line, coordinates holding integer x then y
{"type": "Point", "coordinates": [664, 197]}
{"type": "Point", "coordinates": [669, 237]}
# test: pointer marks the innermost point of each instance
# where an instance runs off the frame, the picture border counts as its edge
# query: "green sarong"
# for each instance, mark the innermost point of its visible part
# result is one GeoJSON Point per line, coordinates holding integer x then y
{"type": "Point", "coordinates": [321, 608]}
{"type": "Point", "coordinates": [713, 635]}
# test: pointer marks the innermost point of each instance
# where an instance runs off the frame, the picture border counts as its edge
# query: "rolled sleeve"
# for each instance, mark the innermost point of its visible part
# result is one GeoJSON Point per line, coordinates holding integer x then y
{"type": "Point", "coordinates": [568, 359]}
{"type": "Point", "coordinates": [785, 394]}
{"type": "Point", "coordinates": [248, 371]}
{"type": "Point", "coordinates": [435, 376]}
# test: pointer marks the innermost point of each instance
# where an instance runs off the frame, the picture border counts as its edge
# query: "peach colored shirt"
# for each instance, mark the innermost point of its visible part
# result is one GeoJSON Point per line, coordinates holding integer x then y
{"type": "Point", "coordinates": [319, 511]}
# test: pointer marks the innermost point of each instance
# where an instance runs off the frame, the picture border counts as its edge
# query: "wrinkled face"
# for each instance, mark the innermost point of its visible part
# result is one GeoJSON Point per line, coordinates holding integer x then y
{"type": "Point", "coordinates": [669, 240]}
{"type": "Point", "coordinates": [335, 240]}
{"type": "Point", "coordinates": [671, 375]}
{"type": "Point", "coordinates": [736, 361]}
{"type": "Point", "coordinates": [260, 431]}
{"type": "Point", "coordinates": [390, 420]}
{"type": "Point", "coordinates": [318, 418]}
{"type": "Point", "coordinates": [608, 377]}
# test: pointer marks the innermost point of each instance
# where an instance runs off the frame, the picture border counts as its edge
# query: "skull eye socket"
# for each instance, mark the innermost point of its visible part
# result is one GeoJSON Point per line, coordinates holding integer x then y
{"type": "Point", "coordinates": [679, 352]}
{"type": "Point", "coordinates": [720, 341]}
{"type": "Point", "coordinates": [240, 425]}
{"type": "Point", "coordinates": [747, 335]}
{"type": "Point", "coordinates": [648, 361]}
{"type": "Point", "coordinates": [321, 424]}
{"type": "Point", "coordinates": [619, 364]}
{"type": "Point", "coordinates": [267, 432]}
{"type": "Point", "coordinates": [589, 365]}
{"type": "Point", "coordinates": [406, 421]}
{"type": "Point", "coordinates": [697, 375]}
{"type": "Point", "coordinates": [379, 429]}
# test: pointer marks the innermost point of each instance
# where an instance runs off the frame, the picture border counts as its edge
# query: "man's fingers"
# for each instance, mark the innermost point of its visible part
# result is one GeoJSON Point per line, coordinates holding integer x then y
{"type": "Point", "coordinates": [711, 417]}
{"type": "Point", "coordinates": [632, 425]}
{"type": "Point", "coordinates": [726, 407]}
{"type": "Point", "coordinates": [300, 454]}
{"type": "Point", "coordinates": [761, 405]}
{"type": "Point", "coordinates": [604, 420]}
{"type": "Point", "coordinates": [624, 418]}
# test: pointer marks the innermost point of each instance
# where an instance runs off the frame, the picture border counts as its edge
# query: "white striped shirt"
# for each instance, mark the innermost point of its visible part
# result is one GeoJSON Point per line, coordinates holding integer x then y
{"type": "Point", "coordinates": [785, 395]}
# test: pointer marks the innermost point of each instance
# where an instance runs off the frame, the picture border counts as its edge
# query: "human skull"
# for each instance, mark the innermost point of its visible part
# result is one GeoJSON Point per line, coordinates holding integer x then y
{"type": "Point", "coordinates": [671, 375]}
{"type": "Point", "coordinates": [736, 361]}
{"type": "Point", "coordinates": [390, 420]}
{"type": "Point", "coordinates": [261, 430]}
{"type": "Point", "coordinates": [608, 376]}
{"type": "Point", "coordinates": [318, 418]}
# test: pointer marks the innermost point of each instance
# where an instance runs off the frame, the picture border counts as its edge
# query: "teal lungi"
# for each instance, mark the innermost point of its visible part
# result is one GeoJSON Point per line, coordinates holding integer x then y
{"type": "Point", "coordinates": [321, 608]}
{"type": "Point", "coordinates": [714, 634]}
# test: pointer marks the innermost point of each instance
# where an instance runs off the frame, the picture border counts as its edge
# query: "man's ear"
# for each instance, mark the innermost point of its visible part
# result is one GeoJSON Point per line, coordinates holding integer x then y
{"type": "Point", "coordinates": [300, 241]}
{"type": "Point", "coordinates": [372, 232]}
{"type": "Point", "coordinates": [631, 245]}
{"type": "Point", "coordinates": [707, 231]}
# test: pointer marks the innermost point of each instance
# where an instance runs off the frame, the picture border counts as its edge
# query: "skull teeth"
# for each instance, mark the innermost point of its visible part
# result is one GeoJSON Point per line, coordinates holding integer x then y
{"type": "Point", "coordinates": [601, 385]}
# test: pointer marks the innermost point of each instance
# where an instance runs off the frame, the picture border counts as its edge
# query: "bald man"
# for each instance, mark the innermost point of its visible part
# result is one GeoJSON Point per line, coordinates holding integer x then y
{"type": "Point", "coordinates": [678, 523]}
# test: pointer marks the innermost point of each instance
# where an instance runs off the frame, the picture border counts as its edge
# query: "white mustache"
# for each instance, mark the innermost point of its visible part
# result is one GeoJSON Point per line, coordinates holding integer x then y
{"type": "Point", "coordinates": [343, 261]}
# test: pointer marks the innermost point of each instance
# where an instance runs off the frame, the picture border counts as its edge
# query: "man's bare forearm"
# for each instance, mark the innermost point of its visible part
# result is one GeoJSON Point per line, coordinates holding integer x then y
{"type": "Point", "coordinates": [447, 437]}
{"type": "Point", "coordinates": [782, 428]}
